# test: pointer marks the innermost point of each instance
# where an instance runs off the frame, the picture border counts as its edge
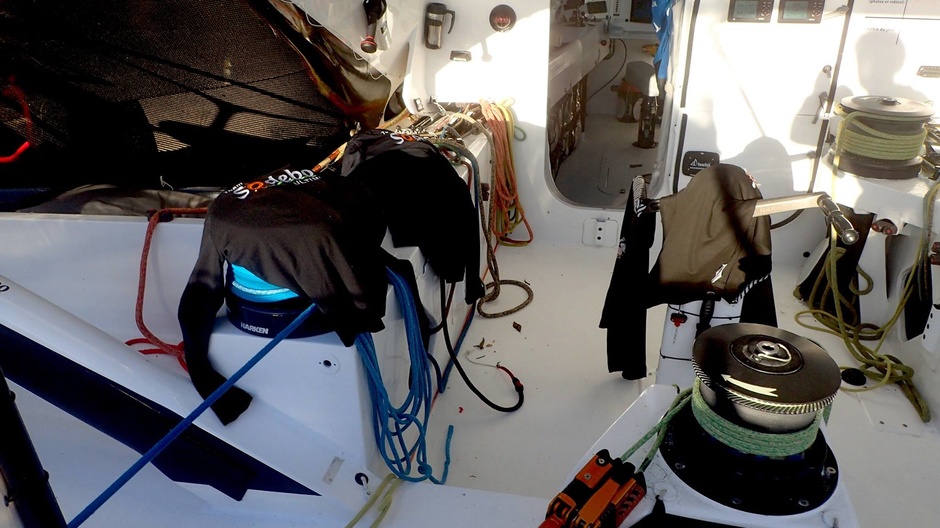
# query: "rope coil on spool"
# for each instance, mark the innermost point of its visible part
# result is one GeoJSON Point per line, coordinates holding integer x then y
{"type": "Point", "coordinates": [748, 440]}
{"type": "Point", "coordinates": [880, 137]}
{"type": "Point", "coordinates": [755, 409]}
{"type": "Point", "coordinates": [774, 380]}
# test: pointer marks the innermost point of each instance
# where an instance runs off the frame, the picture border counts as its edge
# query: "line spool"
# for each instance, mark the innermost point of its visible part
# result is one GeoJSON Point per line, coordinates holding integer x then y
{"type": "Point", "coordinates": [880, 136]}
{"type": "Point", "coordinates": [759, 396]}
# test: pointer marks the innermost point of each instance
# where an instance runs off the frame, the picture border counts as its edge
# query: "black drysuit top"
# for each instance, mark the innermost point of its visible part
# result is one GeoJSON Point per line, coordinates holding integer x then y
{"type": "Point", "coordinates": [318, 235]}
{"type": "Point", "coordinates": [427, 204]}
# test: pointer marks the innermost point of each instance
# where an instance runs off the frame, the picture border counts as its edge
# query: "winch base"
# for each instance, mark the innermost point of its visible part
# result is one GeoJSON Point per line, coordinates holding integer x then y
{"type": "Point", "coordinates": [749, 483]}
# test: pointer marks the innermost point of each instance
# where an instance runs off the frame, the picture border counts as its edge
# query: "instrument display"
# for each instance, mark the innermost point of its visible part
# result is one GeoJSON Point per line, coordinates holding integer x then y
{"type": "Point", "coordinates": [801, 11]}
{"type": "Point", "coordinates": [750, 10]}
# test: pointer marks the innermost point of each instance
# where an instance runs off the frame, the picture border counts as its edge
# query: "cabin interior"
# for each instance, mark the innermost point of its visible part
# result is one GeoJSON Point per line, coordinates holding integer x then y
{"type": "Point", "coordinates": [600, 93]}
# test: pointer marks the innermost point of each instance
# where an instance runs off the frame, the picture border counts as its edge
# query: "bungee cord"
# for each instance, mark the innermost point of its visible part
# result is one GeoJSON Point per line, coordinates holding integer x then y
{"type": "Point", "coordinates": [493, 287]}
{"type": "Point", "coordinates": [12, 91]}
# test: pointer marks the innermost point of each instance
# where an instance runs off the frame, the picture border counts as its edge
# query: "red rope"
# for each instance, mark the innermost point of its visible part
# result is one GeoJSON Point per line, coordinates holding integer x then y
{"type": "Point", "coordinates": [162, 347]}
{"type": "Point", "coordinates": [14, 92]}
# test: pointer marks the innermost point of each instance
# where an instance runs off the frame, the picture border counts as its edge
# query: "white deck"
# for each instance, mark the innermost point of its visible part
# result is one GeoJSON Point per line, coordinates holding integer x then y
{"type": "Point", "coordinates": [890, 468]}
{"type": "Point", "coordinates": [559, 354]}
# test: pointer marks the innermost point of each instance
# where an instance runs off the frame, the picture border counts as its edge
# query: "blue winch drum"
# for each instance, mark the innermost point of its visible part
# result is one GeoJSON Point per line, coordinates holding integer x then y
{"type": "Point", "coordinates": [261, 309]}
{"type": "Point", "coordinates": [269, 319]}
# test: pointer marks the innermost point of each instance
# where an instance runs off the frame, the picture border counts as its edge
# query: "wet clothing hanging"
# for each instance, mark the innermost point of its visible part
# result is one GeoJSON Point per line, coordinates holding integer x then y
{"type": "Point", "coordinates": [712, 247]}
{"type": "Point", "coordinates": [427, 203]}
{"type": "Point", "coordinates": [624, 314]}
{"type": "Point", "coordinates": [318, 235]}
{"type": "Point", "coordinates": [712, 243]}
{"type": "Point", "coordinates": [662, 24]}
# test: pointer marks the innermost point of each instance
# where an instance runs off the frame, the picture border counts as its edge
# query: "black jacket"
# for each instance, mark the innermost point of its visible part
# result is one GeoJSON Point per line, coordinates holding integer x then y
{"type": "Point", "coordinates": [317, 235]}
{"type": "Point", "coordinates": [427, 204]}
{"type": "Point", "coordinates": [320, 236]}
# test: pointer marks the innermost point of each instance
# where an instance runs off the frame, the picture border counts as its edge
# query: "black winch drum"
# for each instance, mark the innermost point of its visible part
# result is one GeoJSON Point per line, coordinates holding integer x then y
{"type": "Point", "coordinates": [904, 119]}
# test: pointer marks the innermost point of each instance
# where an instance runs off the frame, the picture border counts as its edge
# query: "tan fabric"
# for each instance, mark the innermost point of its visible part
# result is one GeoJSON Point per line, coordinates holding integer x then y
{"type": "Point", "coordinates": [710, 236]}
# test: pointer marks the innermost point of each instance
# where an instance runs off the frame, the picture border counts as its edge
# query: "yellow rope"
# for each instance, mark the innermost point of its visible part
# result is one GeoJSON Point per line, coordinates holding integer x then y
{"type": "Point", "coordinates": [488, 221]}
{"type": "Point", "coordinates": [385, 503]}
{"type": "Point", "coordinates": [506, 212]}
{"type": "Point", "coordinates": [887, 368]}
{"type": "Point", "coordinates": [858, 138]}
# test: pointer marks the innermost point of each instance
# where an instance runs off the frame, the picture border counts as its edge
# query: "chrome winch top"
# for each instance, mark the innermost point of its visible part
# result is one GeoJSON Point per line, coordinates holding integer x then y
{"type": "Point", "coordinates": [881, 105]}
{"type": "Point", "coordinates": [774, 379]}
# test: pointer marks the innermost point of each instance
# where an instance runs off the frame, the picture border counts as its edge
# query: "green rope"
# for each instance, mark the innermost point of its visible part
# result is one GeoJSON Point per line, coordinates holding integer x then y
{"type": "Point", "coordinates": [845, 323]}
{"type": "Point", "coordinates": [391, 482]}
{"type": "Point", "coordinates": [658, 430]}
{"type": "Point", "coordinates": [858, 138]}
{"type": "Point", "coordinates": [748, 440]}
{"type": "Point", "coordinates": [732, 435]}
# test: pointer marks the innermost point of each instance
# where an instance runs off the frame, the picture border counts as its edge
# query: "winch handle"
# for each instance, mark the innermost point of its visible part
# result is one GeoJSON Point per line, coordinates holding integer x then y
{"type": "Point", "coordinates": [837, 218]}
{"type": "Point", "coordinates": [834, 215]}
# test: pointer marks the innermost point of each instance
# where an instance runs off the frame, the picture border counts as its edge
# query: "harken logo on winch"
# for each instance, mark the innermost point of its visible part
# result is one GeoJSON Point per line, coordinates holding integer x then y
{"type": "Point", "coordinates": [253, 329]}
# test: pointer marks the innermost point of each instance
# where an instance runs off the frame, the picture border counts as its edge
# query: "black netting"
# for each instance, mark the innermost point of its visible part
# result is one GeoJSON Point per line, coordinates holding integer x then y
{"type": "Point", "coordinates": [137, 92]}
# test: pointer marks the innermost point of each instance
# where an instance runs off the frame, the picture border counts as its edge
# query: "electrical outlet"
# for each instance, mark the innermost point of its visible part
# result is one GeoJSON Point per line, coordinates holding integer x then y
{"type": "Point", "coordinates": [930, 340]}
{"type": "Point", "coordinates": [600, 232]}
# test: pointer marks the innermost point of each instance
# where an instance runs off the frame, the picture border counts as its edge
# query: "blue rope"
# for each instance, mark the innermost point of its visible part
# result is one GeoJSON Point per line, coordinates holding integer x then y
{"type": "Point", "coordinates": [390, 424]}
{"type": "Point", "coordinates": [178, 430]}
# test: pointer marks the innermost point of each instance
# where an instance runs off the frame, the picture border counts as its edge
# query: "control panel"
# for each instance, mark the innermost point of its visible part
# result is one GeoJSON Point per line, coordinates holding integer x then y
{"type": "Point", "coordinates": [750, 10]}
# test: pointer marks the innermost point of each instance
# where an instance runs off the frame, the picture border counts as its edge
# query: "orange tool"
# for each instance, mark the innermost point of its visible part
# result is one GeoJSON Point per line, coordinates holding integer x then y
{"type": "Point", "coordinates": [601, 495]}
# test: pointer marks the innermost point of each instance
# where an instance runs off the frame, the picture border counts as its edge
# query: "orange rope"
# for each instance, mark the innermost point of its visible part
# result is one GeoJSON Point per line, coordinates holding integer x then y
{"type": "Point", "coordinates": [163, 215]}
{"type": "Point", "coordinates": [506, 212]}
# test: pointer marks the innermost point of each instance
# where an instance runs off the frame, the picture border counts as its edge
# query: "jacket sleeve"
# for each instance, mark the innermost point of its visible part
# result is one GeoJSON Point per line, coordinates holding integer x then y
{"type": "Point", "coordinates": [199, 304]}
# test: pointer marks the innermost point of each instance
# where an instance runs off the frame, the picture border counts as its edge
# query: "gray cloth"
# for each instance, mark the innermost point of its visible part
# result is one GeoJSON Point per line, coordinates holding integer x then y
{"type": "Point", "coordinates": [118, 201]}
